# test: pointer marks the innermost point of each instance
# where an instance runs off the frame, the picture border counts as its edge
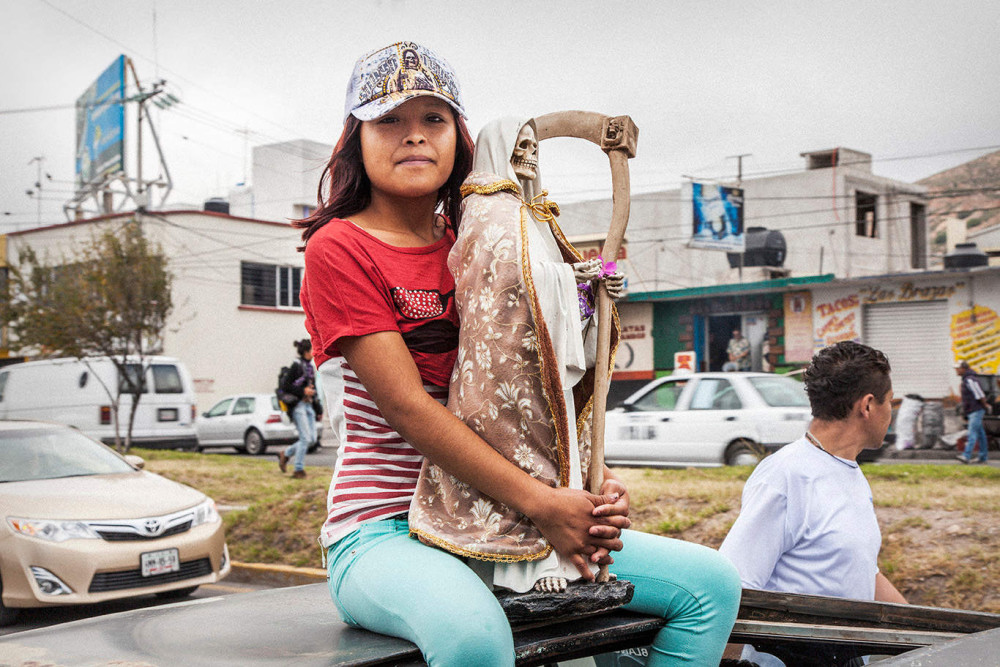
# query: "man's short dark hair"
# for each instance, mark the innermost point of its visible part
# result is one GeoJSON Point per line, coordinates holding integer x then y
{"type": "Point", "coordinates": [841, 374]}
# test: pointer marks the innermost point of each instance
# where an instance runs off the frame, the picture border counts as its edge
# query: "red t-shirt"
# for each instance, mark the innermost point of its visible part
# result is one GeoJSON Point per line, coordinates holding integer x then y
{"type": "Point", "coordinates": [355, 285]}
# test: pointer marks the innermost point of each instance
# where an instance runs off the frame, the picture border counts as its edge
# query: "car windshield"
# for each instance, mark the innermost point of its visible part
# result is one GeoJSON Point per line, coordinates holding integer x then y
{"type": "Point", "coordinates": [49, 453]}
{"type": "Point", "coordinates": [779, 392]}
{"type": "Point", "coordinates": [663, 397]}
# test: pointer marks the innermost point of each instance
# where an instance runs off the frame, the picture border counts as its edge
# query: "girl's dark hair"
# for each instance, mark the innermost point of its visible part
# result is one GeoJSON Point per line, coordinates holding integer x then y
{"type": "Point", "coordinates": [344, 188]}
{"type": "Point", "coordinates": [841, 374]}
{"type": "Point", "coordinates": [303, 346]}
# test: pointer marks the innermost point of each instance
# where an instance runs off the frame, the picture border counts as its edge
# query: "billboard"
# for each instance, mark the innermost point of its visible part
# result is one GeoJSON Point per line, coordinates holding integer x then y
{"type": "Point", "coordinates": [100, 127]}
{"type": "Point", "coordinates": [717, 214]}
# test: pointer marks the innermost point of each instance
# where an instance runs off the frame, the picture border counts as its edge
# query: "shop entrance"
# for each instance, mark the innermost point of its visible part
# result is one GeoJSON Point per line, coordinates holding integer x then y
{"type": "Point", "coordinates": [753, 326]}
{"type": "Point", "coordinates": [720, 330]}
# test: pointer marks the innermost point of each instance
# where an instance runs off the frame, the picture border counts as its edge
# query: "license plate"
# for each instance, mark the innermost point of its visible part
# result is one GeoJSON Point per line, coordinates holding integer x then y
{"type": "Point", "coordinates": [160, 562]}
{"type": "Point", "coordinates": [167, 415]}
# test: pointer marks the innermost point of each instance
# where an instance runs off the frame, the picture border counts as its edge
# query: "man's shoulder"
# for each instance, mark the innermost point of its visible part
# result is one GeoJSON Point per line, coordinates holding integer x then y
{"type": "Point", "coordinates": [792, 461]}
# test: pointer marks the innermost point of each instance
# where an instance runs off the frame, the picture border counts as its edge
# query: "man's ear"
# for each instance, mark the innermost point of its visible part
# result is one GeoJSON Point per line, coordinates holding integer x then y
{"type": "Point", "coordinates": [864, 405]}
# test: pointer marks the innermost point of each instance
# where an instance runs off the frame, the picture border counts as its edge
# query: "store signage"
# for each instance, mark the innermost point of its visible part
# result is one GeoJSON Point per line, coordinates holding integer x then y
{"type": "Point", "coordinates": [907, 292]}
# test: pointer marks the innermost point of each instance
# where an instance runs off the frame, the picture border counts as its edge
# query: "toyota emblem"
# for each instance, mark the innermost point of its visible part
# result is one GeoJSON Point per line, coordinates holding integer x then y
{"type": "Point", "coordinates": [152, 526]}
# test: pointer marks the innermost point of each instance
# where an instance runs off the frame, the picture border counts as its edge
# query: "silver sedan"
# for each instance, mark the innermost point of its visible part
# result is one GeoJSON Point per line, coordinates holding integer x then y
{"type": "Point", "coordinates": [249, 423]}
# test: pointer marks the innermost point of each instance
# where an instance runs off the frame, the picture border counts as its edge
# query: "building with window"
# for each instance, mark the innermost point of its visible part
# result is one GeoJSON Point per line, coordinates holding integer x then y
{"type": "Point", "coordinates": [833, 220]}
{"type": "Point", "coordinates": [283, 183]}
{"type": "Point", "coordinates": [235, 292]}
{"type": "Point", "coordinates": [835, 216]}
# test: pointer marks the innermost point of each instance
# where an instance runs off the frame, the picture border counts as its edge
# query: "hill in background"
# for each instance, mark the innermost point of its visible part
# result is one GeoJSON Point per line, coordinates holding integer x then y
{"type": "Point", "coordinates": [969, 192]}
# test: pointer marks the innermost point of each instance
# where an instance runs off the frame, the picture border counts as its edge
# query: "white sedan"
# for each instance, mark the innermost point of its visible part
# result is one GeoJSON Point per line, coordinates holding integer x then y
{"type": "Point", "coordinates": [249, 423]}
{"type": "Point", "coordinates": [706, 419]}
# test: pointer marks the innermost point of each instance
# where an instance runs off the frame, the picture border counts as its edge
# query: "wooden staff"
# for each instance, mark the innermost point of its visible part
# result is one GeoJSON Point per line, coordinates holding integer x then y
{"type": "Point", "coordinates": [617, 137]}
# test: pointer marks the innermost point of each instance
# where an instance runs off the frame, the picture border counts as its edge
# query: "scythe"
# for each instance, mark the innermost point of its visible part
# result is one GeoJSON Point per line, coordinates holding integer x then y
{"type": "Point", "coordinates": [617, 137]}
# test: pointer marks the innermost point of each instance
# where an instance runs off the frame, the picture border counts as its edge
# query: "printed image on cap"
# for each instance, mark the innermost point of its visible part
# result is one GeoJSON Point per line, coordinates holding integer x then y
{"type": "Point", "coordinates": [386, 78]}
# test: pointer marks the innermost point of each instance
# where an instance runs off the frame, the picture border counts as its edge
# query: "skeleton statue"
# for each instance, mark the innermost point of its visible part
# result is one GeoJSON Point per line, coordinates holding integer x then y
{"type": "Point", "coordinates": [524, 376]}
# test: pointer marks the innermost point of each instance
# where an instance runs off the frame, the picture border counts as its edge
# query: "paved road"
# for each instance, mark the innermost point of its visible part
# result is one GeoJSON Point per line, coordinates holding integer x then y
{"type": "Point", "coordinates": [29, 619]}
{"type": "Point", "coordinates": [325, 456]}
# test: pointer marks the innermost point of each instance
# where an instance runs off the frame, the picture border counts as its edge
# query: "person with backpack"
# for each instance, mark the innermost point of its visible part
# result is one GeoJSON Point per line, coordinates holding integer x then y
{"type": "Point", "coordinates": [297, 390]}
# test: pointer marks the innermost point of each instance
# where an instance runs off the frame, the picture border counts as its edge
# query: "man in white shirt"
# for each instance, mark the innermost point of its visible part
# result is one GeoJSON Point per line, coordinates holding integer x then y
{"type": "Point", "coordinates": [807, 523]}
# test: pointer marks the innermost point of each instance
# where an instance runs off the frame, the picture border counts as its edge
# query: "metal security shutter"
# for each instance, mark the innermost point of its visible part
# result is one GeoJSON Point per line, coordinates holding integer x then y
{"type": "Point", "coordinates": [916, 339]}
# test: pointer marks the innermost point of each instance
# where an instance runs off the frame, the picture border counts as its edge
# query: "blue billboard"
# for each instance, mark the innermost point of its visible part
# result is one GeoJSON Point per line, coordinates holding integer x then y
{"type": "Point", "coordinates": [100, 127]}
{"type": "Point", "coordinates": [718, 217]}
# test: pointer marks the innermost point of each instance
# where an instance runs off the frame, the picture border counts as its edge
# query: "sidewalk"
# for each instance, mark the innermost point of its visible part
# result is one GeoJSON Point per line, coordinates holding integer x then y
{"type": "Point", "coordinates": [273, 575]}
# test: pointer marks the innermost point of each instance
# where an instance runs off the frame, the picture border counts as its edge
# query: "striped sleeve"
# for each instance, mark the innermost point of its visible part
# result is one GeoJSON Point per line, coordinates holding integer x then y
{"type": "Point", "coordinates": [376, 471]}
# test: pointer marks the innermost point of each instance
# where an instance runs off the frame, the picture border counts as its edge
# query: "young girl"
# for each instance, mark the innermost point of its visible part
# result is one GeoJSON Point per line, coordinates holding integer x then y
{"type": "Point", "coordinates": [379, 304]}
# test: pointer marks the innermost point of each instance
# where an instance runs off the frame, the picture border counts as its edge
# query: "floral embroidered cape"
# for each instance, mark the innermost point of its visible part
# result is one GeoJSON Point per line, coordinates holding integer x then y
{"type": "Point", "coordinates": [505, 385]}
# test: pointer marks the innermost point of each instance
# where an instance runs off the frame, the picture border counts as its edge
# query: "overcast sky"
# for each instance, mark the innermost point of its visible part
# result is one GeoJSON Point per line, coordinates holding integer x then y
{"type": "Point", "coordinates": [916, 84]}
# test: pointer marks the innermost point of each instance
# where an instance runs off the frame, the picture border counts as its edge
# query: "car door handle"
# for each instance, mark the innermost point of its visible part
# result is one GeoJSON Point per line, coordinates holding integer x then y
{"type": "Point", "coordinates": [665, 419]}
{"type": "Point", "coordinates": [731, 418]}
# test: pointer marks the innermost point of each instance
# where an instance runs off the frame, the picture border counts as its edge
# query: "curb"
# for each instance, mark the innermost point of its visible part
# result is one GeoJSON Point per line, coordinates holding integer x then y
{"type": "Point", "coordinates": [274, 575]}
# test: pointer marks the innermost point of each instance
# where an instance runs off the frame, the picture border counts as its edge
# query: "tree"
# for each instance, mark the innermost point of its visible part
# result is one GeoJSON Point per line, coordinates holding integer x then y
{"type": "Point", "coordinates": [110, 298]}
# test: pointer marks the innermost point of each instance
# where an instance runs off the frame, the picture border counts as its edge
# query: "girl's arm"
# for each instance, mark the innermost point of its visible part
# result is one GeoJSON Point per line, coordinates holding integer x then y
{"type": "Point", "coordinates": [564, 516]}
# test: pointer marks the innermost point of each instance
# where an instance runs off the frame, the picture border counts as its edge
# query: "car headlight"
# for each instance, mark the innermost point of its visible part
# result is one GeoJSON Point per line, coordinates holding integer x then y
{"type": "Point", "coordinates": [205, 513]}
{"type": "Point", "coordinates": [51, 530]}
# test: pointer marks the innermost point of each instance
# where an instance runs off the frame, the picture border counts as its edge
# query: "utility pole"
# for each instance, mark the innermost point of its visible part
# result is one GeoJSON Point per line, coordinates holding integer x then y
{"type": "Point", "coordinates": [739, 166]}
{"type": "Point", "coordinates": [38, 184]}
{"type": "Point", "coordinates": [739, 184]}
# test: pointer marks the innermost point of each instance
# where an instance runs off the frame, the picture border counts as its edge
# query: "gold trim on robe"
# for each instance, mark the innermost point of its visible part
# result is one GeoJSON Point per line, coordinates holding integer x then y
{"type": "Point", "coordinates": [505, 385]}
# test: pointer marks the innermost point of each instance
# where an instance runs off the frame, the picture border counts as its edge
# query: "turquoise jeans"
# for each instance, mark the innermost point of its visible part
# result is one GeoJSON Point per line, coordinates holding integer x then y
{"type": "Point", "coordinates": [383, 580]}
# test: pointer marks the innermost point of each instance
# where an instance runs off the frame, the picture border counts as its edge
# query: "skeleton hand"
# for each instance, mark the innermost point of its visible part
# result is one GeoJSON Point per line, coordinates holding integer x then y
{"type": "Point", "coordinates": [587, 271]}
{"type": "Point", "coordinates": [615, 284]}
{"type": "Point", "coordinates": [550, 585]}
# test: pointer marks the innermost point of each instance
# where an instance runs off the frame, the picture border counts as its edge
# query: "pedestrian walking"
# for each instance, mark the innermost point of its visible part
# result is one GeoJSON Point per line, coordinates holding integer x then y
{"type": "Point", "coordinates": [974, 406]}
{"type": "Point", "coordinates": [300, 384]}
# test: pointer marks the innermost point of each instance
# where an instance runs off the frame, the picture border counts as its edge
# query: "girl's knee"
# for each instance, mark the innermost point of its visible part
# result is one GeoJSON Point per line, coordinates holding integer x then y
{"type": "Point", "coordinates": [723, 582]}
{"type": "Point", "coordinates": [473, 641]}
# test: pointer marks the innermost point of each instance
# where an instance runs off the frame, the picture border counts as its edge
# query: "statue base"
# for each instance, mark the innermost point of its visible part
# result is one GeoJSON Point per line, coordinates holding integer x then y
{"type": "Point", "coordinates": [579, 599]}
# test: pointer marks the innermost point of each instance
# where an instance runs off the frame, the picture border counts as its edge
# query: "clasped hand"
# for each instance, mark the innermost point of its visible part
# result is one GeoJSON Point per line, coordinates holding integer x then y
{"type": "Point", "coordinates": [584, 527]}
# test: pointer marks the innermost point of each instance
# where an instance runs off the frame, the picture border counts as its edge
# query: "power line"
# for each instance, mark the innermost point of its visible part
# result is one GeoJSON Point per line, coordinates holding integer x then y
{"type": "Point", "coordinates": [56, 107]}
{"type": "Point", "coordinates": [156, 64]}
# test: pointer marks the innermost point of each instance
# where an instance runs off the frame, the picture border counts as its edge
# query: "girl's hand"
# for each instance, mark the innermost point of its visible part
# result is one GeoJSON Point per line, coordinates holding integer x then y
{"type": "Point", "coordinates": [567, 521]}
{"type": "Point", "coordinates": [614, 508]}
{"type": "Point", "coordinates": [616, 498]}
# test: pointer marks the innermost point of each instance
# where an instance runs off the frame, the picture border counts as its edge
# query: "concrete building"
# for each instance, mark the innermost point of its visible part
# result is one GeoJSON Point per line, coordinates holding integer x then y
{"type": "Point", "coordinates": [283, 181]}
{"type": "Point", "coordinates": [836, 217]}
{"type": "Point", "coordinates": [235, 292]}
{"type": "Point", "coordinates": [924, 321]}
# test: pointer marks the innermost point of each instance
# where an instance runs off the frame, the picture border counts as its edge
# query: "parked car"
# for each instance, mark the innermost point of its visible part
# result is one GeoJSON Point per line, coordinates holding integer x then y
{"type": "Point", "coordinates": [77, 392]}
{"type": "Point", "coordinates": [706, 419]}
{"type": "Point", "coordinates": [250, 423]}
{"type": "Point", "coordinates": [82, 524]}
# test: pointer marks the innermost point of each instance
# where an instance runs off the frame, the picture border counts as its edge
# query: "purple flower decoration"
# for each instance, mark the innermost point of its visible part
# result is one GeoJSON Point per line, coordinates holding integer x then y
{"type": "Point", "coordinates": [586, 298]}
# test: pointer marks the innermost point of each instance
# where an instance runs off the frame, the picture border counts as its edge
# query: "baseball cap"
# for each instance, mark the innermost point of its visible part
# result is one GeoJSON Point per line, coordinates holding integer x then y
{"type": "Point", "coordinates": [384, 79]}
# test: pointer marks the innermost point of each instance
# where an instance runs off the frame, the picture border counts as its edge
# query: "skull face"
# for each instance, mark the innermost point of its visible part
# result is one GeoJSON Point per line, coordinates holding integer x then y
{"type": "Point", "coordinates": [525, 156]}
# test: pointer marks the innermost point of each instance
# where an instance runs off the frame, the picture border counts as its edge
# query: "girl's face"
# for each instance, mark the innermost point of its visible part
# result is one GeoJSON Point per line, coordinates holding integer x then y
{"type": "Point", "coordinates": [410, 151]}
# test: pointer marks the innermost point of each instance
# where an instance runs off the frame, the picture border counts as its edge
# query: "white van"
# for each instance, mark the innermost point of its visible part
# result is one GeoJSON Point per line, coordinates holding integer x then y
{"type": "Point", "coordinates": [75, 392]}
